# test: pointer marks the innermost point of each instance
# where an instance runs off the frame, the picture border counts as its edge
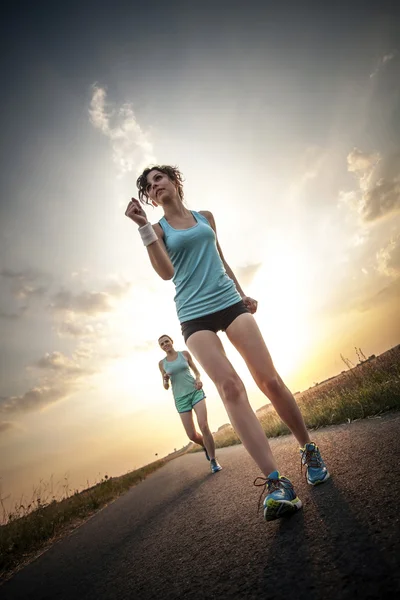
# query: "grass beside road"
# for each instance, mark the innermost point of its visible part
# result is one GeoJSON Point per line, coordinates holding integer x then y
{"type": "Point", "coordinates": [28, 529]}
{"type": "Point", "coordinates": [364, 390]}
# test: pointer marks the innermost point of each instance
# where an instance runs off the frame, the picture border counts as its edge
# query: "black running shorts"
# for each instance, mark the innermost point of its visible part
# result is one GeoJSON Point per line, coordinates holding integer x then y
{"type": "Point", "coordinates": [218, 321]}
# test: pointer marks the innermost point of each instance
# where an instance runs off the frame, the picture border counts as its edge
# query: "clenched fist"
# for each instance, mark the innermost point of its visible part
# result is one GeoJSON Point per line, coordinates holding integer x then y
{"type": "Point", "coordinates": [250, 304]}
{"type": "Point", "coordinates": [135, 212]}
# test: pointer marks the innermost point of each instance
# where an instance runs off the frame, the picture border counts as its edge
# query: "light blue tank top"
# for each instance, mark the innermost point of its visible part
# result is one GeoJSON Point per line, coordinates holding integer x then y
{"type": "Point", "coordinates": [202, 284]}
{"type": "Point", "coordinates": [182, 380]}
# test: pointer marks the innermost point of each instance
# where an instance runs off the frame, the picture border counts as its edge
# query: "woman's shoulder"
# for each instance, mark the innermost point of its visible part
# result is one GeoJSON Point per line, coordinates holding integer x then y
{"type": "Point", "coordinates": [205, 213]}
{"type": "Point", "coordinates": [158, 229]}
{"type": "Point", "coordinates": [209, 216]}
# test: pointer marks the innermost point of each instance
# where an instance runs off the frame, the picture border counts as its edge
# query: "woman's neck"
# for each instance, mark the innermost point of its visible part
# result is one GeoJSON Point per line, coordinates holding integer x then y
{"type": "Point", "coordinates": [175, 209]}
{"type": "Point", "coordinates": [171, 353]}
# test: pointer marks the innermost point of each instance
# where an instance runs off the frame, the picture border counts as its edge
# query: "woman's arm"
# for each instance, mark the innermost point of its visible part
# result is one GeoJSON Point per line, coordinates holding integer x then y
{"type": "Point", "coordinates": [249, 302]}
{"type": "Point", "coordinates": [165, 376]}
{"type": "Point", "coordinates": [192, 365]}
{"type": "Point", "coordinates": [154, 240]}
{"type": "Point", "coordinates": [158, 255]}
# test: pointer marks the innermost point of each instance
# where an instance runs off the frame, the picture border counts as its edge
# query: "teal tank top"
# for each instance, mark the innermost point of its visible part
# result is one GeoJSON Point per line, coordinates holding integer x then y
{"type": "Point", "coordinates": [182, 380]}
{"type": "Point", "coordinates": [201, 282]}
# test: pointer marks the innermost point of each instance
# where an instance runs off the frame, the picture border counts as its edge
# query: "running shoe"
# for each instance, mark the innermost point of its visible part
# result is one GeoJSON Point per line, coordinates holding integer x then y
{"type": "Point", "coordinates": [316, 471]}
{"type": "Point", "coordinates": [215, 466]}
{"type": "Point", "coordinates": [281, 499]}
{"type": "Point", "coordinates": [206, 453]}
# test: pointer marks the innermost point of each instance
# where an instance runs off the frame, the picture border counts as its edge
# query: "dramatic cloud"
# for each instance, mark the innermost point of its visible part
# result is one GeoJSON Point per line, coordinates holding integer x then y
{"type": "Point", "coordinates": [382, 62]}
{"type": "Point", "coordinates": [389, 259]}
{"type": "Point", "coordinates": [379, 184]}
{"type": "Point", "coordinates": [60, 377]}
{"type": "Point", "coordinates": [131, 146]}
{"type": "Point", "coordinates": [90, 303]}
{"type": "Point", "coordinates": [56, 361]}
{"type": "Point", "coordinates": [77, 329]}
{"type": "Point", "coordinates": [362, 164]}
{"type": "Point", "coordinates": [36, 398]}
{"type": "Point", "coordinates": [23, 288]}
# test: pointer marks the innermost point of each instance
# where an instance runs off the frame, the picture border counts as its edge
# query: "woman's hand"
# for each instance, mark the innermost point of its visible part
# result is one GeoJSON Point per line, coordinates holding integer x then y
{"type": "Point", "coordinates": [250, 304]}
{"type": "Point", "coordinates": [198, 384]}
{"type": "Point", "coordinates": [166, 381]}
{"type": "Point", "coordinates": [135, 212]}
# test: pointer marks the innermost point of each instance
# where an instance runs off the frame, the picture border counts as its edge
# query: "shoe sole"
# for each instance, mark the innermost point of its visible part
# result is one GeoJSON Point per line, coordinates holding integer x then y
{"type": "Point", "coordinates": [276, 509]}
{"type": "Point", "coordinates": [319, 480]}
{"type": "Point", "coordinates": [216, 470]}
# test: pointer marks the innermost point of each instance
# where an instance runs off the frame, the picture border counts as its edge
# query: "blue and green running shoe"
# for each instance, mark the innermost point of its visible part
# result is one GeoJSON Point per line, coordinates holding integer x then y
{"type": "Point", "coordinates": [215, 466]}
{"type": "Point", "coordinates": [316, 471]}
{"type": "Point", "coordinates": [281, 499]}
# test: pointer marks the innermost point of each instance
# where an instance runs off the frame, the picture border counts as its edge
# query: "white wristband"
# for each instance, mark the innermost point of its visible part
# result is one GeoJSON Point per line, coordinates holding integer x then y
{"type": "Point", "coordinates": [148, 234]}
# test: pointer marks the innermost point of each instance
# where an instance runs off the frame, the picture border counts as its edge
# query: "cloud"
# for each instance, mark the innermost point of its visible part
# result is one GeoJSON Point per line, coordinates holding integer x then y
{"type": "Point", "coordinates": [6, 426]}
{"type": "Point", "coordinates": [60, 377]}
{"type": "Point", "coordinates": [379, 184]}
{"type": "Point", "coordinates": [362, 163]}
{"type": "Point", "coordinates": [388, 259]}
{"type": "Point", "coordinates": [131, 146]}
{"type": "Point", "coordinates": [25, 283]}
{"type": "Point", "coordinates": [77, 329]}
{"type": "Point", "coordinates": [56, 361]}
{"type": "Point", "coordinates": [36, 398]}
{"type": "Point", "coordinates": [11, 316]}
{"type": "Point", "coordinates": [383, 198]}
{"type": "Point", "coordinates": [389, 293]}
{"type": "Point", "coordinates": [90, 303]}
{"type": "Point", "coordinates": [382, 62]}
{"type": "Point", "coordinates": [24, 286]}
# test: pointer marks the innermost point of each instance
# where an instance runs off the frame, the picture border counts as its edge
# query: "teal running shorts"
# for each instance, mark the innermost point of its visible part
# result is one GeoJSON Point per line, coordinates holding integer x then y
{"type": "Point", "coordinates": [186, 403]}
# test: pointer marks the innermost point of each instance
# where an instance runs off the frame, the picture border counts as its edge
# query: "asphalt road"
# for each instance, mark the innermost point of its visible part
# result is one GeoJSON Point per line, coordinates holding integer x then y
{"type": "Point", "coordinates": [185, 533]}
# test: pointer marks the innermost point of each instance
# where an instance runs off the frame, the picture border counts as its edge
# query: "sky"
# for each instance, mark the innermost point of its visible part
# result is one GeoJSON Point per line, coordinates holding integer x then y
{"type": "Point", "coordinates": [285, 122]}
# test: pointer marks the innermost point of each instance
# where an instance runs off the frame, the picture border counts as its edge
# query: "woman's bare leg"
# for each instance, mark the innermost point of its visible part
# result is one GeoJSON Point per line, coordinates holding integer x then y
{"type": "Point", "coordinates": [247, 339]}
{"type": "Point", "coordinates": [188, 423]}
{"type": "Point", "coordinates": [200, 409]}
{"type": "Point", "coordinates": [208, 350]}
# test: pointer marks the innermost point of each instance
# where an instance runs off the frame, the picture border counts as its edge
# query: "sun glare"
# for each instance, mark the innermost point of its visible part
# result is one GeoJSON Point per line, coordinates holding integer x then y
{"type": "Point", "coordinates": [281, 287]}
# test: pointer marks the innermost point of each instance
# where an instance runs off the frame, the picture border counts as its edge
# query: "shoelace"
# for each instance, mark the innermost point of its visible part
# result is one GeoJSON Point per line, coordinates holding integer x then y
{"type": "Point", "coordinates": [266, 482]}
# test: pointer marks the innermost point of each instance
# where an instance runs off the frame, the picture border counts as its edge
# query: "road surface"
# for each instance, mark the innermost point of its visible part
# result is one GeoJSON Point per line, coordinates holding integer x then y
{"type": "Point", "coordinates": [184, 533]}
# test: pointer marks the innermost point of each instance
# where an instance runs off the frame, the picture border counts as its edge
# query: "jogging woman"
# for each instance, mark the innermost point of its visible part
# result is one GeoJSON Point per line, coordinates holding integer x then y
{"type": "Point", "coordinates": [189, 396]}
{"type": "Point", "coordinates": [183, 247]}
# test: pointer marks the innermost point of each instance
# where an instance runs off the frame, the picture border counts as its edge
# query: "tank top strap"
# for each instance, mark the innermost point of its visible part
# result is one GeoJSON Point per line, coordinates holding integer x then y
{"type": "Point", "coordinates": [165, 226]}
{"type": "Point", "coordinates": [199, 217]}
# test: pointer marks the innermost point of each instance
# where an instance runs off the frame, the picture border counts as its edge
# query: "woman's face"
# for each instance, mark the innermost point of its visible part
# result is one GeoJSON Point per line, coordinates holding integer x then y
{"type": "Point", "coordinates": [165, 343]}
{"type": "Point", "coordinates": [159, 187]}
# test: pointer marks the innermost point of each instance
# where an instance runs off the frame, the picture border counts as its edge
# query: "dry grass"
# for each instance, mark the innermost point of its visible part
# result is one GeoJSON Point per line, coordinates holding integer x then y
{"type": "Point", "coordinates": [370, 388]}
{"type": "Point", "coordinates": [364, 390]}
{"type": "Point", "coordinates": [28, 529]}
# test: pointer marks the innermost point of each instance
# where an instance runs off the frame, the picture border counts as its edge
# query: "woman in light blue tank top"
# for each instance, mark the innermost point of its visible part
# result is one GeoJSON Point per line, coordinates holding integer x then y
{"type": "Point", "coordinates": [183, 247]}
{"type": "Point", "coordinates": [189, 396]}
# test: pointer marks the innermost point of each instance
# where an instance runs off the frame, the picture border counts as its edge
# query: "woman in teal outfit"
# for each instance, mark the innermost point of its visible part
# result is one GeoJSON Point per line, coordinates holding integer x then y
{"type": "Point", "coordinates": [183, 246]}
{"type": "Point", "coordinates": [189, 396]}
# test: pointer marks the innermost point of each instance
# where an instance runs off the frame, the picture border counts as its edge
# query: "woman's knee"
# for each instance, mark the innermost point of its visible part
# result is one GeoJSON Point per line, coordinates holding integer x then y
{"type": "Point", "coordinates": [196, 439]}
{"type": "Point", "coordinates": [272, 386]}
{"type": "Point", "coordinates": [231, 388]}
